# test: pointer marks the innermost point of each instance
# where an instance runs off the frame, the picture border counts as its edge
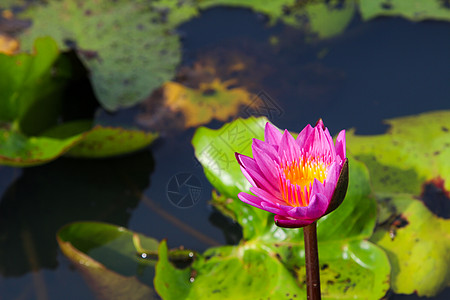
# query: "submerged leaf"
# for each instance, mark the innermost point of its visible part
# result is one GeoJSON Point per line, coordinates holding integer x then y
{"type": "Point", "coordinates": [108, 259]}
{"type": "Point", "coordinates": [213, 100]}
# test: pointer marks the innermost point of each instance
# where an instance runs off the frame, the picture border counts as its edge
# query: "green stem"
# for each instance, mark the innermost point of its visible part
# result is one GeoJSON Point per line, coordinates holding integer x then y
{"type": "Point", "coordinates": [312, 262]}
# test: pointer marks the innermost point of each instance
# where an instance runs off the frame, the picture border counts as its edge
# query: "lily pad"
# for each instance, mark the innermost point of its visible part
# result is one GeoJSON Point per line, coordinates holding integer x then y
{"type": "Point", "coordinates": [418, 246]}
{"type": "Point", "coordinates": [30, 81]}
{"type": "Point", "coordinates": [414, 10]}
{"type": "Point", "coordinates": [75, 139]}
{"type": "Point", "coordinates": [18, 150]}
{"type": "Point", "coordinates": [129, 47]}
{"type": "Point", "coordinates": [403, 162]}
{"type": "Point", "coordinates": [414, 150]}
{"type": "Point", "coordinates": [322, 18]}
{"type": "Point", "coordinates": [108, 259]}
{"type": "Point", "coordinates": [268, 251]}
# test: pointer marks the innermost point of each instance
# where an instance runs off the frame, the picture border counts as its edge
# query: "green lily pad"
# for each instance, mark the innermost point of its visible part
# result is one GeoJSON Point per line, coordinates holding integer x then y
{"type": "Point", "coordinates": [325, 19]}
{"type": "Point", "coordinates": [268, 251]}
{"type": "Point", "coordinates": [415, 149]}
{"type": "Point", "coordinates": [108, 259]}
{"type": "Point", "coordinates": [75, 139]}
{"type": "Point", "coordinates": [412, 154]}
{"type": "Point", "coordinates": [414, 10]}
{"type": "Point", "coordinates": [129, 47]}
{"type": "Point", "coordinates": [18, 150]}
{"type": "Point", "coordinates": [29, 83]}
{"type": "Point", "coordinates": [418, 247]}
{"type": "Point", "coordinates": [101, 141]}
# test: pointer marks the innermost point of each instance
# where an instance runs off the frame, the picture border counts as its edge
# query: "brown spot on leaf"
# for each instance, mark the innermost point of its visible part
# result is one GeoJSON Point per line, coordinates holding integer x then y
{"type": "Point", "coordinates": [436, 198]}
{"type": "Point", "coordinates": [445, 129]}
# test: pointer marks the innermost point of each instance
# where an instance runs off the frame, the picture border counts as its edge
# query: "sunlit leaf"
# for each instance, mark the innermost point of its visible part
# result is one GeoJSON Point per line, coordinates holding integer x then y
{"type": "Point", "coordinates": [414, 10]}
{"type": "Point", "coordinates": [407, 164]}
{"type": "Point", "coordinates": [129, 47]}
{"type": "Point", "coordinates": [418, 245]}
{"type": "Point", "coordinates": [108, 259]}
{"type": "Point", "coordinates": [359, 268]}
{"type": "Point", "coordinates": [415, 149]}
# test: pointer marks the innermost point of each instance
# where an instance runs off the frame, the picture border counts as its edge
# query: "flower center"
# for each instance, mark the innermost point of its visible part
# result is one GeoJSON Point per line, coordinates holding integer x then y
{"type": "Point", "coordinates": [297, 177]}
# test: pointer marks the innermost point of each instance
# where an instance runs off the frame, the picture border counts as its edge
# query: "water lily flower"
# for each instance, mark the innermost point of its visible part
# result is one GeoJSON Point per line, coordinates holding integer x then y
{"type": "Point", "coordinates": [299, 180]}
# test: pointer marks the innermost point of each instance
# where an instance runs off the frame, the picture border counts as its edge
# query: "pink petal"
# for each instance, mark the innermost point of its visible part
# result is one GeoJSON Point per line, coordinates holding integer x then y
{"type": "Point", "coordinates": [266, 196]}
{"type": "Point", "coordinates": [289, 150]}
{"type": "Point", "coordinates": [340, 145]}
{"type": "Point", "coordinates": [287, 222]}
{"type": "Point", "coordinates": [317, 206]}
{"type": "Point", "coordinates": [303, 135]}
{"type": "Point", "coordinates": [268, 149]}
{"type": "Point", "coordinates": [271, 134]}
{"type": "Point", "coordinates": [266, 165]}
{"type": "Point", "coordinates": [250, 199]}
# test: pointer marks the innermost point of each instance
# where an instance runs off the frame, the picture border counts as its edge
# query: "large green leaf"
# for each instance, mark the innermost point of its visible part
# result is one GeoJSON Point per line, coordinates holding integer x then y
{"type": "Point", "coordinates": [414, 10]}
{"type": "Point", "coordinates": [418, 246]}
{"type": "Point", "coordinates": [108, 259]}
{"type": "Point", "coordinates": [128, 46]}
{"type": "Point", "coordinates": [415, 149]}
{"type": "Point", "coordinates": [269, 261]}
{"type": "Point", "coordinates": [404, 162]}
{"type": "Point", "coordinates": [29, 87]}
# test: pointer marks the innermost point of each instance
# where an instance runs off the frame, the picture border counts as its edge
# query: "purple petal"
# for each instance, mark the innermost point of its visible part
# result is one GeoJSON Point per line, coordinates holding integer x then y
{"type": "Point", "coordinates": [317, 206]}
{"type": "Point", "coordinates": [291, 222]}
{"type": "Point", "coordinates": [340, 145]}
{"type": "Point", "coordinates": [271, 134]}
{"type": "Point", "coordinates": [262, 182]}
{"type": "Point", "coordinates": [276, 209]}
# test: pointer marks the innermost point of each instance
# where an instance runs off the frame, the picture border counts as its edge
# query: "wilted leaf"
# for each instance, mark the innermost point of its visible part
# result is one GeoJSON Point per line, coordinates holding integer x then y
{"type": "Point", "coordinates": [8, 45]}
{"type": "Point", "coordinates": [213, 100]}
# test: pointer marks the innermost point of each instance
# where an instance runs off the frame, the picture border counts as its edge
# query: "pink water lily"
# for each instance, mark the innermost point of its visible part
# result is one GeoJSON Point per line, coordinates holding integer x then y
{"type": "Point", "coordinates": [299, 180]}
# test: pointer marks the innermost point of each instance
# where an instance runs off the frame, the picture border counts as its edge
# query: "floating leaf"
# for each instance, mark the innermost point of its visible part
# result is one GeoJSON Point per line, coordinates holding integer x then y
{"type": "Point", "coordinates": [74, 139]}
{"type": "Point", "coordinates": [108, 259]}
{"type": "Point", "coordinates": [414, 10]}
{"type": "Point", "coordinates": [20, 151]}
{"type": "Point", "coordinates": [127, 46]}
{"type": "Point", "coordinates": [28, 85]}
{"type": "Point", "coordinates": [404, 162]}
{"type": "Point", "coordinates": [263, 264]}
{"type": "Point", "coordinates": [101, 141]}
{"type": "Point", "coordinates": [323, 18]}
{"type": "Point", "coordinates": [418, 245]}
{"type": "Point", "coordinates": [415, 149]}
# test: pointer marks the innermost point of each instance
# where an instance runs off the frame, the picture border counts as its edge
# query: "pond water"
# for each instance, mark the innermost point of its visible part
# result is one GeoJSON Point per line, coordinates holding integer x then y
{"type": "Point", "coordinates": [376, 70]}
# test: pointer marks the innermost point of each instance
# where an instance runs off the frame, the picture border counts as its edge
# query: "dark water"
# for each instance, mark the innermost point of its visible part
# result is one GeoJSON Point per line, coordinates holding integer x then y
{"type": "Point", "coordinates": [382, 69]}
